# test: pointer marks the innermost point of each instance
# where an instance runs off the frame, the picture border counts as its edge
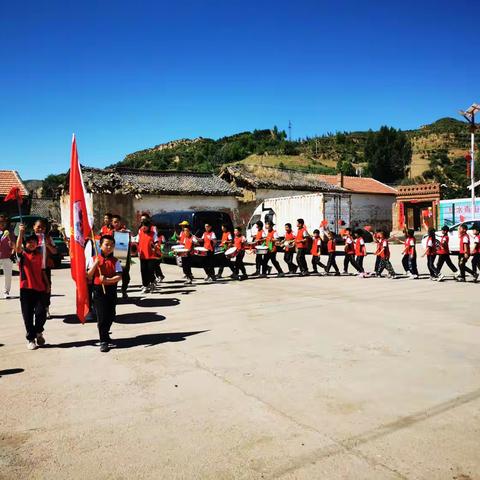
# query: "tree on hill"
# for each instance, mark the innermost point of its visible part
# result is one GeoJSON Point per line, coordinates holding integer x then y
{"type": "Point", "coordinates": [388, 154]}
{"type": "Point", "coordinates": [51, 185]}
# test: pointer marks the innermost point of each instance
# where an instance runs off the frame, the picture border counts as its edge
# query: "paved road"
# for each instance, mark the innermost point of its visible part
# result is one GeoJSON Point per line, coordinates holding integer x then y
{"type": "Point", "coordinates": [293, 378]}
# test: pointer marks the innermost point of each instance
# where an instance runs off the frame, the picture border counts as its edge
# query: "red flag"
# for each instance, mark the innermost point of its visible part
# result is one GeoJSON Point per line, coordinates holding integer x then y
{"type": "Point", "coordinates": [80, 230]}
{"type": "Point", "coordinates": [14, 194]}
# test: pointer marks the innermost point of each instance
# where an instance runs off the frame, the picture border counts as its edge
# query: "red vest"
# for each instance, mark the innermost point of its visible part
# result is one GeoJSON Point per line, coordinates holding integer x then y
{"type": "Point", "coordinates": [146, 250]}
{"type": "Point", "coordinates": [409, 246]}
{"type": "Point", "coordinates": [188, 242]}
{"type": "Point", "coordinates": [31, 275]}
{"type": "Point", "coordinates": [331, 246]}
{"type": "Point", "coordinates": [386, 249]}
{"type": "Point", "coordinates": [259, 236]}
{"type": "Point", "coordinates": [443, 248]}
{"type": "Point", "coordinates": [464, 247]}
{"type": "Point", "coordinates": [359, 247]}
{"type": "Point", "coordinates": [226, 238]}
{"type": "Point", "coordinates": [271, 241]}
{"type": "Point", "coordinates": [208, 241]}
{"type": "Point", "coordinates": [289, 236]}
{"type": "Point", "coordinates": [300, 241]}
{"type": "Point", "coordinates": [106, 267]}
{"type": "Point", "coordinates": [431, 249]}
{"type": "Point", "coordinates": [105, 230]}
{"type": "Point", "coordinates": [239, 242]}
{"type": "Point", "coordinates": [349, 245]}
{"type": "Point", "coordinates": [315, 247]}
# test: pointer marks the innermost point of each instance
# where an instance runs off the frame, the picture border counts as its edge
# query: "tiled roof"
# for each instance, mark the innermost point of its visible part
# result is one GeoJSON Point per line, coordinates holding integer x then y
{"type": "Point", "coordinates": [259, 176]}
{"type": "Point", "coordinates": [361, 184]}
{"type": "Point", "coordinates": [9, 179]}
{"type": "Point", "coordinates": [138, 181]}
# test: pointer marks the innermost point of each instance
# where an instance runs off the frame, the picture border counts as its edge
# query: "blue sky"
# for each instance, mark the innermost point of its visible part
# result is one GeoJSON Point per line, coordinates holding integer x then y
{"type": "Point", "coordinates": [128, 75]}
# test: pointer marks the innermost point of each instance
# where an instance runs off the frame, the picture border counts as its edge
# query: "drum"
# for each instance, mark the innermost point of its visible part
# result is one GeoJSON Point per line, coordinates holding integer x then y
{"type": "Point", "coordinates": [181, 252]}
{"type": "Point", "coordinates": [219, 250]}
{"type": "Point", "coordinates": [122, 246]}
{"type": "Point", "coordinates": [261, 249]}
{"type": "Point", "coordinates": [177, 247]}
{"type": "Point", "coordinates": [231, 252]}
{"type": "Point", "coordinates": [200, 251]}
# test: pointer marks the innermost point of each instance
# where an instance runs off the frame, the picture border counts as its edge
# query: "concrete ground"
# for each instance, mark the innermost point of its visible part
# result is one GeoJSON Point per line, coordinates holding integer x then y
{"type": "Point", "coordinates": [293, 378]}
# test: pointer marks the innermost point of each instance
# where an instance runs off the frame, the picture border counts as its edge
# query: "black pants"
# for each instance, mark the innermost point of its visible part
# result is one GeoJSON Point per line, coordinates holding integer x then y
{"type": "Point", "coordinates": [239, 265]}
{"type": "Point", "coordinates": [301, 261]}
{"type": "Point", "coordinates": [475, 262]}
{"type": "Point", "coordinates": [462, 265]}
{"type": "Point", "coordinates": [187, 267]}
{"type": "Point", "coordinates": [359, 261]}
{"type": "Point", "coordinates": [350, 259]}
{"type": "Point", "coordinates": [317, 263]}
{"type": "Point", "coordinates": [378, 260]}
{"type": "Point", "coordinates": [431, 265]}
{"type": "Point", "coordinates": [147, 270]}
{"type": "Point", "coordinates": [225, 263]}
{"type": "Point", "coordinates": [126, 275]}
{"type": "Point", "coordinates": [34, 313]}
{"type": "Point", "coordinates": [258, 263]}
{"type": "Point", "coordinates": [288, 258]}
{"type": "Point", "coordinates": [410, 264]}
{"type": "Point", "coordinates": [158, 269]}
{"type": "Point", "coordinates": [384, 263]}
{"type": "Point", "coordinates": [105, 306]}
{"type": "Point", "coordinates": [332, 262]}
{"type": "Point", "coordinates": [208, 265]}
{"type": "Point", "coordinates": [271, 256]}
{"type": "Point", "coordinates": [445, 258]}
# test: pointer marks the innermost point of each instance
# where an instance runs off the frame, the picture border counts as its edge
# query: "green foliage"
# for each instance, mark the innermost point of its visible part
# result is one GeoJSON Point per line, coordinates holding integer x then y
{"type": "Point", "coordinates": [51, 185]}
{"type": "Point", "coordinates": [388, 154]}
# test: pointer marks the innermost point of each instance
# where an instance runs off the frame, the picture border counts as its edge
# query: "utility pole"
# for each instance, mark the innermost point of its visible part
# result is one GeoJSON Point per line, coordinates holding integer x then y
{"type": "Point", "coordinates": [290, 130]}
{"type": "Point", "coordinates": [469, 115]}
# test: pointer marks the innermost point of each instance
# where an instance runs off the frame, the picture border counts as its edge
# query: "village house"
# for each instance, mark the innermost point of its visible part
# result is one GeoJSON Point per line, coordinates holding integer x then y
{"type": "Point", "coordinates": [371, 200]}
{"type": "Point", "coordinates": [9, 179]}
{"type": "Point", "coordinates": [129, 192]}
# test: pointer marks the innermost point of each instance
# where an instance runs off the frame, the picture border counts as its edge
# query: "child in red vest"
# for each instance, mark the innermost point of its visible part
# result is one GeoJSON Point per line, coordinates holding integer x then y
{"type": "Point", "coordinates": [431, 253]}
{"type": "Point", "coordinates": [377, 239]}
{"type": "Point", "coordinates": [209, 241]}
{"type": "Point", "coordinates": [301, 239]}
{"type": "Point", "coordinates": [271, 239]}
{"type": "Point", "coordinates": [107, 228]}
{"type": "Point", "coordinates": [475, 250]}
{"type": "Point", "coordinates": [360, 249]}
{"type": "Point", "coordinates": [105, 271]}
{"type": "Point", "coordinates": [464, 253]}
{"type": "Point", "coordinates": [225, 242]}
{"type": "Point", "coordinates": [443, 252]}
{"type": "Point", "coordinates": [34, 288]}
{"type": "Point", "coordinates": [289, 248]}
{"type": "Point", "coordinates": [349, 252]}
{"type": "Point", "coordinates": [332, 252]}
{"type": "Point", "coordinates": [189, 241]}
{"type": "Point", "coordinates": [239, 242]}
{"type": "Point", "coordinates": [258, 239]}
{"type": "Point", "coordinates": [316, 251]}
{"type": "Point", "coordinates": [147, 240]}
{"type": "Point", "coordinates": [409, 260]}
{"type": "Point", "coordinates": [383, 253]}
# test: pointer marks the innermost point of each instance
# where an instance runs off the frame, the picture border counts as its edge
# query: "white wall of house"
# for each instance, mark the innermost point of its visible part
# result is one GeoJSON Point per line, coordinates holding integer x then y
{"type": "Point", "coordinates": [371, 209]}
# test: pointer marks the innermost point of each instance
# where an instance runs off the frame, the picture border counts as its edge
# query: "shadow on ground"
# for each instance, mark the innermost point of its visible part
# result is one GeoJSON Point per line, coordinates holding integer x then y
{"type": "Point", "coordinates": [11, 371]}
{"type": "Point", "coordinates": [157, 302]}
{"type": "Point", "coordinates": [138, 317]}
{"type": "Point", "coordinates": [149, 340]}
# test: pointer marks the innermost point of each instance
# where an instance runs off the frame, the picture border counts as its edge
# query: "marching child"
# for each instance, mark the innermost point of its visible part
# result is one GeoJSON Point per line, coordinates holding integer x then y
{"type": "Point", "coordinates": [271, 241]}
{"type": "Point", "coordinates": [209, 241]}
{"type": "Point", "coordinates": [383, 252]}
{"type": "Point", "coordinates": [464, 253]}
{"type": "Point", "coordinates": [289, 248]}
{"type": "Point", "coordinates": [409, 260]}
{"type": "Point", "coordinates": [475, 250]}
{"type": "Point", "coordinates": [316, 251]}
{"type": "Point", "coordinates": [431, 253]}
{"type": "Point", "coordinates": [34, 287]}
{"type": "Point", "coordinates": [188, 241]}
{"type": "Point", "coordinates": [258, 239]}
{"type": "Point", "coordinates": [443, 252]}
{"type": "Point", "coordinates": [377, 240]}
{"type": "Point", "coordinates": [360, 249]}
{"type": "Point", "coordinates": [332, 252]}
{"type": "Point", "coordinates": [225, 242]}
{"type": "Point", "coordinates": [147, 239]}
{"type": "Point", "coordinates": [301, 239]}
{"type": "Point", "coordinates": [239, 242]}
{"type": "Point", "coordinates": [349, 252]}
{"type": "Point", "coordinates": [106, 272]}
{"type": "Point", "coordinates": [119, 226]}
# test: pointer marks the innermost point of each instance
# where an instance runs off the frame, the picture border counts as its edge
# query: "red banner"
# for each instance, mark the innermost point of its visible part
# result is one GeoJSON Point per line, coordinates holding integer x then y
{"type": "Point", "coordinates": [80, 231]}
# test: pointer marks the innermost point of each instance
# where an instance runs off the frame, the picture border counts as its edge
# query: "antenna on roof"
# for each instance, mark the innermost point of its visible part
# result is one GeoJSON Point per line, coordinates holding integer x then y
{"type": "Point", "coordinates": [290, 130]}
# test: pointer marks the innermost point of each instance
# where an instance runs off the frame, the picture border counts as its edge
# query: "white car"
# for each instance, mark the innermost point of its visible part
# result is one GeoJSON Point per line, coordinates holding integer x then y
{"type": "Point", "coordinates": [454, 240]}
